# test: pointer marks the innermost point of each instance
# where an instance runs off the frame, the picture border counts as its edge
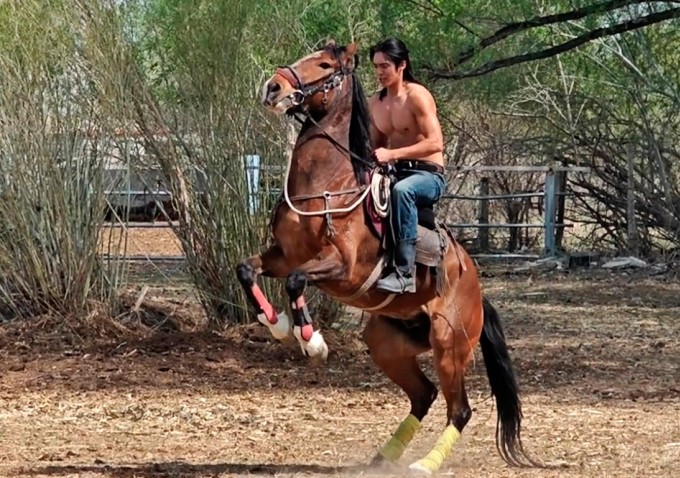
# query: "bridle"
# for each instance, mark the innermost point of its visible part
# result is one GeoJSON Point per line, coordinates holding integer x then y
{"type": "Point", "coordinates": [303, 91]}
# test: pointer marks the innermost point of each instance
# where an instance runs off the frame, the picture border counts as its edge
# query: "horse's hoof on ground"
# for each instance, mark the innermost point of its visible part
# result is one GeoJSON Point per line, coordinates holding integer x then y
{"type": "Point", "coordinates": [418, 468]}
{"type": "Point", "coordinates": [380, 463]}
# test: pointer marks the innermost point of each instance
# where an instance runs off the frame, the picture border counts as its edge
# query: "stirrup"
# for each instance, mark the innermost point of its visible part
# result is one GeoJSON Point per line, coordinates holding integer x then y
{"type": "Point", "coordinates": [401, 286]}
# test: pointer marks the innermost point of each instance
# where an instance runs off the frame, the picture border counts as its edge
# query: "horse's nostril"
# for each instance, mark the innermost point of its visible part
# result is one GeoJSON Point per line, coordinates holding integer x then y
{"type": "Point", "coordinates": [274, 87]}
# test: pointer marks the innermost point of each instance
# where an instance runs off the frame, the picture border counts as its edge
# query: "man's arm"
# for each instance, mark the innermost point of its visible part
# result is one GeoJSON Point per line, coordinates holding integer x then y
{"type": "Point", "coordinates": [425, 112]}
{"type": "Point", "coordinates": [378, 139]}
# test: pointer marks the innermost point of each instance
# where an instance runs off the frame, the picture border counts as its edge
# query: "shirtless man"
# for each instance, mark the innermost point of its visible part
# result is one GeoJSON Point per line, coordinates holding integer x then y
{"type": "Point", "coordinates": [405, 131]}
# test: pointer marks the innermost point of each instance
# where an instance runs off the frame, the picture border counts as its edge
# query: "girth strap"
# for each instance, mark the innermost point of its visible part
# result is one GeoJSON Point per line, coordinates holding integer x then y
{"type": "Point", "coordinates": [370, 280]}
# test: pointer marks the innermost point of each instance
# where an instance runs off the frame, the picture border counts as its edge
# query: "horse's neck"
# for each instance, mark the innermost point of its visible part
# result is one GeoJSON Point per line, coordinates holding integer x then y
{"type": "Point", "coordinates": [318, 164]}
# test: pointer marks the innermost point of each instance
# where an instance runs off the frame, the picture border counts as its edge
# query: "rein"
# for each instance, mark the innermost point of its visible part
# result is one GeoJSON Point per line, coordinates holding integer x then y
{"type": "Point", "coordinates": [304, 91]}
{"type": "Point", "coordinates": [297, 99]}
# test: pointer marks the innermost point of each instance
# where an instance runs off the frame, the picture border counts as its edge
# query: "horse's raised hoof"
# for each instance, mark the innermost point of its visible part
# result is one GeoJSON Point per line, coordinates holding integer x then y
{"type": "Point", "coordinates": [281, 329]}
{"type": "Point", "coordinates": [315, 348]}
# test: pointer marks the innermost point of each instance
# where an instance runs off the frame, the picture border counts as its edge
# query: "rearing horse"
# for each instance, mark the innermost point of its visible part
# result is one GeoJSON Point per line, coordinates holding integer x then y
{"type": "Point", "coordinates": [325, 231]}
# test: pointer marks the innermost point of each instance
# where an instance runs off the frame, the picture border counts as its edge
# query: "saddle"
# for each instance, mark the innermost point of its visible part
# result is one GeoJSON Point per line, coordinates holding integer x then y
{"type": "Point", "coordinates": [432, 242]}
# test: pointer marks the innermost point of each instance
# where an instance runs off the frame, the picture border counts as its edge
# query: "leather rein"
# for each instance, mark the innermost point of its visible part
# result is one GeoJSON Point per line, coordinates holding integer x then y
{"type": "Point", "coordinates": [303, 91]}
{"type": "Point", "coordinates": [298, 99]}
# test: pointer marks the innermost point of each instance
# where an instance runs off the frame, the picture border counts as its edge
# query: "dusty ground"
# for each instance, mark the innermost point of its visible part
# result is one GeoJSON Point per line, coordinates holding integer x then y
{"type": "Point", "coordinates": [152, 241]}
{"type": "Point", "coordinates": [598, 358]}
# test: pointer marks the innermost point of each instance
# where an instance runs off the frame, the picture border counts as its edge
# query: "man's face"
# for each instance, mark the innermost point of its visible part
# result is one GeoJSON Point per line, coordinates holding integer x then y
{"type": "Point", "coordinates": [385, 70]}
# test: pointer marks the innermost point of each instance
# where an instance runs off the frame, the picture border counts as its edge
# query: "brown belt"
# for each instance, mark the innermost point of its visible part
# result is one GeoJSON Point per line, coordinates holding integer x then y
{"type": "Point", "coordinates": [418, 165]}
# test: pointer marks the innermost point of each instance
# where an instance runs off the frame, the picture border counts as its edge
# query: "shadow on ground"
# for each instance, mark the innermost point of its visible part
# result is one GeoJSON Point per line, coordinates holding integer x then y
{"type": "Point", "coordinates": [187, 470]}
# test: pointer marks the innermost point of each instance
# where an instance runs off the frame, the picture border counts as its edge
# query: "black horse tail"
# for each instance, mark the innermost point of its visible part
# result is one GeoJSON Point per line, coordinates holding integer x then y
{"type": "Point", "coordinates": [504, 387]}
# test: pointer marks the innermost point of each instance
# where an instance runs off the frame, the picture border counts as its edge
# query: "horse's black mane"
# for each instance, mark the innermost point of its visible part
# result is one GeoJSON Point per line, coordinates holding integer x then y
{"type": "Point", "coordinates": [359, 132]}
{"type": "Point", "coordinates": [359, 126]}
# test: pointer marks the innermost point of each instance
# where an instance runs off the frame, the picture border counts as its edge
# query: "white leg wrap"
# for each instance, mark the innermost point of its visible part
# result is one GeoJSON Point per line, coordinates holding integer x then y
{"type": "Point", "coordinates": [421, 469]}
{"type": "Point", "coordinates": [315, 347]}
{"type": "Point", "coordinates": [281, 329]}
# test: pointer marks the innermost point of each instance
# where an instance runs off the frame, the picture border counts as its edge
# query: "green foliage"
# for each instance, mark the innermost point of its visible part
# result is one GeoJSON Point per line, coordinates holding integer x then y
{"type": "Point", "coordinates": [616, 97]}
{"type": "Point", "coordinates": [188, 75]}
{"type": "Point", "coordinates": [201, 66]}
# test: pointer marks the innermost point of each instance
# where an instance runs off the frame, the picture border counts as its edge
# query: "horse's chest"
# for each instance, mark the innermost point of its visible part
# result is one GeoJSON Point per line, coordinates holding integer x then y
{"type": "Point", "coordinates": [296, 235]}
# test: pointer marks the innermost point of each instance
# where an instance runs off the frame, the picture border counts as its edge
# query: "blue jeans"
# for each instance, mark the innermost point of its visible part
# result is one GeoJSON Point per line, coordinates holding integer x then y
{"type": "Point", "coordinates": [413, 190]}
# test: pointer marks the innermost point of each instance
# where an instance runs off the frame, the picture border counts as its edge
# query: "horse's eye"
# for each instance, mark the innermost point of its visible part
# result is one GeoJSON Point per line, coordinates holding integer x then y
{"type": "Point", "coordinates": [325, 66]}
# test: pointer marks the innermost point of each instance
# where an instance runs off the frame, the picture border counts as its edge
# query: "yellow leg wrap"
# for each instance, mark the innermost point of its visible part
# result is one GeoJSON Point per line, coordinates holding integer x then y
{"type": "Point", "coordinates": [433, 460]}
{"type": "Point", "coordinates": [403, 435]}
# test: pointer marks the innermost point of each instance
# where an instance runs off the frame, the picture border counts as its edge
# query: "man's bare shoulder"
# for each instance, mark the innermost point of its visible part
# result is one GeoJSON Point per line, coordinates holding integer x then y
{"type": "Point", "coordinates": [419, 96]}
{"type": "Point", "coordinates": [374, 99]}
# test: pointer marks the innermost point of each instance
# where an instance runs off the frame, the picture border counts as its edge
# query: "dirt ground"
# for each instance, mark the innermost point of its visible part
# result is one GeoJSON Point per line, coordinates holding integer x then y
{"type": "Point", "coordinates": [152, 241]}
{"type": "Point", "coordinates": [597, 355]}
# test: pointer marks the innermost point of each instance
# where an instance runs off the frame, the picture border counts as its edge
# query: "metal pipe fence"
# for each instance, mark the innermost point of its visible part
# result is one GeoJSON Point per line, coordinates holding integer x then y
{"type": "Point", "coordinates": [553, 195]}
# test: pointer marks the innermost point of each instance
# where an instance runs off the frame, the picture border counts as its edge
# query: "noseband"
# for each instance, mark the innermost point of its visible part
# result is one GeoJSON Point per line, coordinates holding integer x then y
{"type": "Point", "coordinates": [303, 90]}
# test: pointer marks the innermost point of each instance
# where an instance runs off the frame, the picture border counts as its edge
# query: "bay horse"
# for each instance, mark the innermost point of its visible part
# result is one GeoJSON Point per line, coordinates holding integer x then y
{"type": "Point", "coordinates": [325, 232]}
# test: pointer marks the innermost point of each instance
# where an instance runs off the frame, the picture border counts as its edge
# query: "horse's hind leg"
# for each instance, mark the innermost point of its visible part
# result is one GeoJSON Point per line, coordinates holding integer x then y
{"type": "Point", "coordinates": [270, 263]}
{"type": "Point", "coordinates": [394, 349]}
{"type": "Point", "coordinates": [452, 346]}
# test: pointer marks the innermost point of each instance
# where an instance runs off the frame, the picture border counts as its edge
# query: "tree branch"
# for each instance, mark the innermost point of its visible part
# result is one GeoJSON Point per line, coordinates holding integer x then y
{"type": "Point", "coordinates": [431, 7]}
{"type": "Point", "coordinates": [427, 6]}
{"type": "Point", "coordinates": [563, 47]}
{"type": "Point", "coordinates": [535, 22]}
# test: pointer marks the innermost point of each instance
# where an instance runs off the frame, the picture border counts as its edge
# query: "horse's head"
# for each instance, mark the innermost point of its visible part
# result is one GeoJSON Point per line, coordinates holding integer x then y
{"type": "Point", "coordinates": [310, 82]}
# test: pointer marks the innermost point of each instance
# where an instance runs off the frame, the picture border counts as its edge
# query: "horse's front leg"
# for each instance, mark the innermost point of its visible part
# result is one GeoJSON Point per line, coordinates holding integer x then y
{"type": "Point", "coordinates": [270, 263]}
{"type": "Point", "coordinates": [323, 268]}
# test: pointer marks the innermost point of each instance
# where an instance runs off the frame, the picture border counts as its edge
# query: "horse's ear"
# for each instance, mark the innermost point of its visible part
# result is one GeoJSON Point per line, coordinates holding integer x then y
{"type": "Point", "coordinates": [351, 54]}
{"type": "Point", "coordinates": [351, 49]}
{"type": "Point", "coordinates": [330, 42]}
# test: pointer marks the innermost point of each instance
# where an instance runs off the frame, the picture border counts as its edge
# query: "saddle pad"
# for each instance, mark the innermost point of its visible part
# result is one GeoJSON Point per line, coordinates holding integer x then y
{"type": "Point", "coordinates": [431, 246]}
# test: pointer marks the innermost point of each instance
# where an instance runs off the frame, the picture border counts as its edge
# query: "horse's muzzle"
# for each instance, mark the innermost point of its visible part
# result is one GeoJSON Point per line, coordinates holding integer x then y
{"type": "Point", "coordinates": [272, 91]}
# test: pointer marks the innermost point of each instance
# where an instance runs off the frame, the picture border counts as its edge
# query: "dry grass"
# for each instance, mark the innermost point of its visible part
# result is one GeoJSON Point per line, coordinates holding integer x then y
{"type": "Point", "coordinates": [597, 358]}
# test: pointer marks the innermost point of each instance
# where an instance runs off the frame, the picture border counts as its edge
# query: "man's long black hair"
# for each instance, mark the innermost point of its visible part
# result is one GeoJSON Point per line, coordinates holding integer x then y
{"type": "Point", "coordinates": [396, 51]}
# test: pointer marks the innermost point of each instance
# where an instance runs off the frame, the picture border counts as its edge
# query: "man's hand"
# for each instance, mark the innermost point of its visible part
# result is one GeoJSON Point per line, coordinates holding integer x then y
{"type": "Point", "coordinates": [383, 156]}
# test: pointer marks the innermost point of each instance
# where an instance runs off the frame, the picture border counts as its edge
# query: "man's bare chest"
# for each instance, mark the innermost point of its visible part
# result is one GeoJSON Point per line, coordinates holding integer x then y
{"type": "Point", "coordinates": [394, 117]}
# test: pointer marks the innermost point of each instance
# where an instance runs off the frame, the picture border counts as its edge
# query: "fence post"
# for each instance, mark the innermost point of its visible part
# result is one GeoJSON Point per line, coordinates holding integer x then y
{"type": "Point", "coordinates": [633, 239]}
{"type": "Point", "coordinates": [483, 215]}
{"type": "Point", "coordinates": [550, 213]}
{"type": "Point", "coordinates": [561, 190]}
{"type": "Point", "coordinates": [253, 180]}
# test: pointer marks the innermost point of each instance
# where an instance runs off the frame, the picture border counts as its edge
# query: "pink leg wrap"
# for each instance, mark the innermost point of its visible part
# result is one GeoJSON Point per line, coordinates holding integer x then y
{"type": "Point", "coordinates": [307, 330]}
{"type": "Point", "coordinates": [264, 304]}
